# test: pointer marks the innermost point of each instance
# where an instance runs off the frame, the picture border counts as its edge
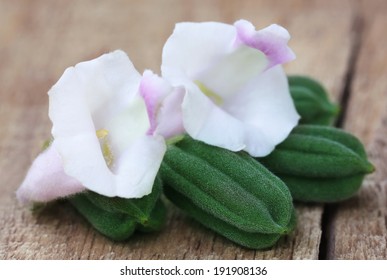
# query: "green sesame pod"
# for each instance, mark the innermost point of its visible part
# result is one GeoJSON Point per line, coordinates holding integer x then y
{"type": "Point", "coordinates": [334, 134]}
{"type": "Point", "coordinates": [116, 226]}
{"type": "Point", "coordinates": [247, 239]}
{"type": "Point", "coordinates": [156, 220]}
{"type": "Point", "coordinates": [320, 163]}
{"type": "Point", "coordinates": [230, 188]}
{"type": "Point", "coordinates": [311, 101]}
{"type": "Point", "coordinates": [137, 208]}
{"type": "Point", "coordinates": [117, 218]}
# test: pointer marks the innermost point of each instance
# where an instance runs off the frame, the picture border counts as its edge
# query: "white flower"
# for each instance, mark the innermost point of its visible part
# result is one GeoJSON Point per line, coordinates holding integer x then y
{"type": "Point", "coordinates": [46, 179]}
{"type": "Point", "coordinates": [101, 130]}
{"type": "Point", "coordinates": [164, 105]}
{"type": "Point", "coordinates": [237, 95]}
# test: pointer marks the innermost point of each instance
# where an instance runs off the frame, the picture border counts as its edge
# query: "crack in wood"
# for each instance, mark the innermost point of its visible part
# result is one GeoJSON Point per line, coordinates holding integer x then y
{"type": "Point", "coordinates": [357, 34]}
{"type": "Point", "coordinates": [327, 240]}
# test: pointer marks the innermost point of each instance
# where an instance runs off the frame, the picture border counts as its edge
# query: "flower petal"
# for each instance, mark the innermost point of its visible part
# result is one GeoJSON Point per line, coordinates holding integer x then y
{"type": "Point", "coordinates": [266, 107]}
{"type": "Point", "coordinates": [205, 121]}
{"type": "Point", "coordinates": [170, 116]}
{"type": "Point", "coordinates": [88, 96]}
{"type": "Point", "coordinates": [94, 95]}
{"type": "Point", "coordinates": [127, 125]}
{"type": "Point", "coordinates": [83, 160]}
{"type": "Point", "coordinates": [46, 179]}
{"type": "Point", "coordinates": [163, 105]}
{"type": "Point", "coordinates": [194, 45]}
{"type": "Point", "coordinates": [153, 89]}
{"type": "Point", "coordinates": [272, 41]}
{"type": "Point", "coordinates": [233, 71]}
{"type": "Point", "coordinates": [231, 80]}
{"type": "Point", "coordinates": [138, 166]}
{"type": "Point", "coordinates": [109, 84]}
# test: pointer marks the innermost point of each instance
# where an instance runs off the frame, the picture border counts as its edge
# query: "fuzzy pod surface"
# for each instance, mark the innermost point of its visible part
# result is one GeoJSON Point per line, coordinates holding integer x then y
{"type": "Point", "coordinates": [138, 209]}
{"type": "Point", "coordinates": [228, 192]}
{"type": "Point", "coordinates": [116, 226]}
{"type": "Point", "coordinates": [118, 218]}
{"type": "Point", "coordinates": [311, 101]}
{"type": "Point", "coordinates": [320, 163]}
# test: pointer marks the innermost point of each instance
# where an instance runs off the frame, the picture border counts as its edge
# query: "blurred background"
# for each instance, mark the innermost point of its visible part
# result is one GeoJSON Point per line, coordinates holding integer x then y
{"type": "Point", "coordinates": [40, 38]}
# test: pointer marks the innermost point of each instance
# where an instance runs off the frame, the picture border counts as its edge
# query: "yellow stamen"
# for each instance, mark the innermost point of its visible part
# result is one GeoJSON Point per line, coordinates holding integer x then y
{"type": "Point", "coordinates": [102, 133]}
{"type": "Point", "coordinates": [106, 150]}
{"type": "Point", "coordinates": [212, 95]}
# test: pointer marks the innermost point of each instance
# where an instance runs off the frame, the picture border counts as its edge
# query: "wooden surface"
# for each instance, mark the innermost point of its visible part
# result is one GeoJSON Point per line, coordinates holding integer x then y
{"type": "Point", "coordinates": [341, 43]}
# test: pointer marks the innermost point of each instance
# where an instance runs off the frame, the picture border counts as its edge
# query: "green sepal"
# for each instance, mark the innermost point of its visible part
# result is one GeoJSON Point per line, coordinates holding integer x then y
{"type": "Point", "coordinates": [138, 209]}
{"type": "Point", "coordinates": [46, 144]}
{"type": "Point", "coordinates": [228, 189]}
{"type": "Point", "coordinates": [320, 163]}
{"type": "Point", "coordinates": [312, 101]}
{"type": "Point", "coordinates": [116, 226]}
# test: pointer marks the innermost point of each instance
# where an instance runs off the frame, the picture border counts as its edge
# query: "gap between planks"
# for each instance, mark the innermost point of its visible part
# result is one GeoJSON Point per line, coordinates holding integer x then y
{"type": "Point", "coordinates": [331, 209]}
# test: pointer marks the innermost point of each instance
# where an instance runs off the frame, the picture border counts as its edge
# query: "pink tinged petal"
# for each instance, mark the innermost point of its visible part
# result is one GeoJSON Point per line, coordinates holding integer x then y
{"type": "Point", "coordinates": [272, 41]}
{"type": "Point", "coordinates": [138, 167]}
{"type": "Point", "coordinates": [153, 89]}
{"type": "Point", "coordinates": [170, 116]}
{"type": "Point", "coordinates": [233, 71]}
{"type": "Point", "coordinates": [194, 45]}
{"type": "Point", "coordinates": [163, 105]}
{"type": "Point", "coordinates": [267, 110]}
{"type": "Point", "coordinates": [46, 180]}
{"type": "Point", "coordinates": [205, 121]}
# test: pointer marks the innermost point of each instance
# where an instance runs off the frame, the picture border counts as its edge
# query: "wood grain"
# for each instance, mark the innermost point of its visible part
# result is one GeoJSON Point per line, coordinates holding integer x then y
{"type": "Point", "coordinates": [358, 226]}
{"type": "Point", "coordinates": [39, 39]}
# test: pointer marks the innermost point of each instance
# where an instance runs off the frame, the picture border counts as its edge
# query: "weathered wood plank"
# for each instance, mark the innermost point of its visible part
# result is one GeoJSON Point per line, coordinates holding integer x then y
{"type": "Point", "coordinates": [41, 38]}
{"type": "Point", "coordinates": [358, 227]}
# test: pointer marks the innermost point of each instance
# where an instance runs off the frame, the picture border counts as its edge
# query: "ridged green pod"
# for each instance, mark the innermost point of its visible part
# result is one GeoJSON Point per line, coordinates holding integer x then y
{"type": "Point", "coordinates": [137, 208]}
{"type": "Point", "coordinates": [156, 220]}
{"type": "Point", "coordinates": [118, 218]}
{"type": "Point", "coordinates": [311, 101]}
{"type": "Point", "coordinates": [320, 163]}
{"type": "Point", "coordinates": [228, 192]}
{"type": "Point", "coordinates": [113, 225]}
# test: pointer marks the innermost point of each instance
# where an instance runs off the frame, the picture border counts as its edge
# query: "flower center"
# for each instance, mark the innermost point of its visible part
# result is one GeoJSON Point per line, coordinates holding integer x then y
{"type": "Point", "coordinates": [106, 150]}
{"type": "Point", "coordinates": [209, 93]}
